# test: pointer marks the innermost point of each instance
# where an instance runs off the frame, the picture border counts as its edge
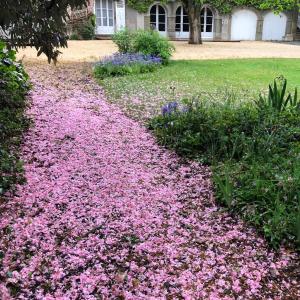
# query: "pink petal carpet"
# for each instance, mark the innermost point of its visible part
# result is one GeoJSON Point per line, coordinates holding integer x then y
{"type": "Point", "coordinates": [106, 213]}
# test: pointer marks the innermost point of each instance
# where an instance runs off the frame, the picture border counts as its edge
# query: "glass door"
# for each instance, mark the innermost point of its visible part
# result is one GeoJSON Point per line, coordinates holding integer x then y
{"type": "Point", "coordinates": [105, 16]}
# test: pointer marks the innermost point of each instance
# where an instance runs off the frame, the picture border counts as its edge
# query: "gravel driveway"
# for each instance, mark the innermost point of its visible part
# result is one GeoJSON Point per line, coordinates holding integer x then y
{"type": "Point", "coordinates": [93, 50]}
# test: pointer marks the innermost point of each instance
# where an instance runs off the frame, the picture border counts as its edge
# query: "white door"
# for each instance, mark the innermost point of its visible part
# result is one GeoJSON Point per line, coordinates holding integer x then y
{"type": "Point", "coordinates": [207, 23]}
{"type": "Point", "coordinates": [274, 27]}
{"type": "Point", "coordinates": [105, 16]}
{"type": "Point", "coordinates": [158, 19]}
{"type": "Point", "coordinates": [243, 25]}
{"type": "Point", "coordinates": [182, 24]}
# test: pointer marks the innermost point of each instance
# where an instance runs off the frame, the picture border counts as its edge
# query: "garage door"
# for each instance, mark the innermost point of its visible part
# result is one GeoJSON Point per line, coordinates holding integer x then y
{"type": "Point", "coordinates": [274, 27]}
{"type": "Point", "coordinates": [243, 25]}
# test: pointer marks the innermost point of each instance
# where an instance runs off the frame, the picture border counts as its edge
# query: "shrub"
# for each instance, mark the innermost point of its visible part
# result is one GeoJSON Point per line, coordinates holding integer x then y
{"type": "Point", "coordinates": [150, 42]}
{"type": "Point", "coordinates": [13, 89]}
{"type": "Point", "coordinates": [123, 64]}
{"type": "Point", "coordinates": [74, 37]}
{"type": "Point", "coordinates": [147, 42]}
{"type": "Point", "coordinates": [84, 30]}
{"type": "Point", "coordinates": [124, 40]}
{"type": "Point", "coordinates": [254, 154]}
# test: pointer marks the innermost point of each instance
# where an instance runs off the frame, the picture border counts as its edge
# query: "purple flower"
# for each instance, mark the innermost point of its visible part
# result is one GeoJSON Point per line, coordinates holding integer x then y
{"type": "Point", "coordinates": [121, 59]}
{"type": "Point", "coordinates": [169, 108]}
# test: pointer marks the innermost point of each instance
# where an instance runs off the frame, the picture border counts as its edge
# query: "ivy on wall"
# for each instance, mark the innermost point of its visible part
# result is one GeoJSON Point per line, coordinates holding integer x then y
{"type": "Point", "coordinates": [225, 6]}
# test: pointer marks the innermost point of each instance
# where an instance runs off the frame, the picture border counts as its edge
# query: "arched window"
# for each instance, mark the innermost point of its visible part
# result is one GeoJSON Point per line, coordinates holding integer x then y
{"type": "Point", "coordinates": [158, 18]}
{"type": "Point", "coordinates": [182, 20]}
{"type": "Point", "coordinates": [207, 21]}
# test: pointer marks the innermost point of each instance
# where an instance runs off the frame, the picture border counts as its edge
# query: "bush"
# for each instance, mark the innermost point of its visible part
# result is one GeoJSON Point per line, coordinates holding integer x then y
{"type": "Point", "coordinates": [150, 42]}
{"type": "Point", "coordinates": [13, 89]}
{"type": "Point", "coordinates": [124, 41]}
{"type": "Point", "coordinates": [84, 30]}
{"type": "Point", "coordinates": [147, 42]}
{"type": "Point", "coordinates": [74, 37]}
{"type": "Point", "coordinates": [123, 64]}
{"type": "Point", "coordinates": [254, 154]}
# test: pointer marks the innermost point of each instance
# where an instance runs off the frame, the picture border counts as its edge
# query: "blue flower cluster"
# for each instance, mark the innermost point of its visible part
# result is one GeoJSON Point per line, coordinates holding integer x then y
{"type": "Point", "coordinates": [121, 59]}
{"type": "Point", "coordinates": [169, 108]}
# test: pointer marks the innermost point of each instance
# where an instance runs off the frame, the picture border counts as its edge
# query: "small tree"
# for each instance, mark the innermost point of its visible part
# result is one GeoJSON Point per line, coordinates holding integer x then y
{"type": "Point", "coordinates": [37, 23]}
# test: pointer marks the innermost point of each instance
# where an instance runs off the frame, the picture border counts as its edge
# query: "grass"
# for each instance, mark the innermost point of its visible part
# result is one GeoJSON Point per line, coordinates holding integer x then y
{"type": "Point", "coordinates": [141, 96]}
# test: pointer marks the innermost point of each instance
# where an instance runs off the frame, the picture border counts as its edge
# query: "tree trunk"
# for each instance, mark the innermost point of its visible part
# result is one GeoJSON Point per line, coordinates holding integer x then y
{"type": "Point", "coordinates": [194, 12]}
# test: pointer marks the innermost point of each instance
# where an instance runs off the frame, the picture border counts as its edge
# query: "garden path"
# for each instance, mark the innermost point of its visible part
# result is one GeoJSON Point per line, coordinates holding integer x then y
{"type": "Point", "coordinates": [108, 214]}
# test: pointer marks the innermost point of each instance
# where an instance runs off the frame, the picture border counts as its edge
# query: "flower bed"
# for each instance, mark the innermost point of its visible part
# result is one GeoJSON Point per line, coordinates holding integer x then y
{"type": "Point", "coordinates": [121, 64]}
{"type": "Point", "coordinates": [254, 152]}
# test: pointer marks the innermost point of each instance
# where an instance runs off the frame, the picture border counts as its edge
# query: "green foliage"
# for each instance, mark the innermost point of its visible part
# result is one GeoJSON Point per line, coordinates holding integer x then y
{"type": "Point", "coordinates": [86, 30]}
{"type": "Point", "coordinates": [74, 37]}
{"type": "Point", "coordinates": [110, 70]}
{"type": "Point", "coordinates": [147, 42]}
{"type": "Point", "coordinates": [150, 42]}
{"type": "Point", "coordinates": [140, 6]}
{"type": "Point", "coordinates": [13, 88]}
{"type": "Point", "coordinates": [254, 156]}
{"type": "Point", "coordinates": [124, 40]}
{"type": "Point", "coordinates": [40, 24]}
{"type": "Point", "coordinates": [278, 99]}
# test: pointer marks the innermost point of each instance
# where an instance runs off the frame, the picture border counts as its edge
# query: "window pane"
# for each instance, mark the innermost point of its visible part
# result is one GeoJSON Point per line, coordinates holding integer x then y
{"type": "Point", "coordinates": [110, 14]}
{"type": "Point", "coordinates": [103, 3]}
{"type": "Point", "coordinates": [153, 10]}
{"type": "Point", "coordinates": [161, 27]}
{"type": "Point", "coordinates": [111, 22]}
{"type": "Point", "coordinates": [209, 20]}
{"type": "Point", "coordinates": [209, 12]}
{"type": "Point", "coordinates": [98, 13]}
{"type": "Point", "coordinates": [202, 12]}
{"type": "Point", "coordinates": [110, 4]}
{"type": "Point", "coordinates": [104, 22]}
{"type": "Point", "coordinates": [209, 28]}
{"type": "Point", "coordinates": [178, 19]}
{"type": "Point", "coordinates": [177, 27]}
{"type": "Point", "coordinates": [152, 18]}
{"type": "Point", "coordinates": [184, 12]}
{"type": "Point", "coordinates": [202, 28]}
{"type": "Point", "coordinates": [185, 19]}
{"type": "Point", "coordinates": [178, 11]}
{"type": "Point", "coordinates": [202, 20]}
{"type": "Point", "coordinates": [161, 19]}
{"type": "Point", "coordinates": [98, 4]}
{"type": "Point", "coordinates": [186, 28]}
{"type": "Point", "coordinates": [161, 10]}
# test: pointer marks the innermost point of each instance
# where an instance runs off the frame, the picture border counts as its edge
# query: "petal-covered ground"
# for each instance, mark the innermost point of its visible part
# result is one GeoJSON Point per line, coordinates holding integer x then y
{"type": "Point", "coordinates": [108, 214]}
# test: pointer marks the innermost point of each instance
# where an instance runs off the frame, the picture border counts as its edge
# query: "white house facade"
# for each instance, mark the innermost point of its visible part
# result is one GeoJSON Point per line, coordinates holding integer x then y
{"type": "Point", "coordinates": [171, 20]}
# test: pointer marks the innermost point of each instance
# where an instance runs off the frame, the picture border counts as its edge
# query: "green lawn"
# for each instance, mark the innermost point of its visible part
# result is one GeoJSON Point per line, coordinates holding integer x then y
{"type": "Point", "coordinates": [141, 96]}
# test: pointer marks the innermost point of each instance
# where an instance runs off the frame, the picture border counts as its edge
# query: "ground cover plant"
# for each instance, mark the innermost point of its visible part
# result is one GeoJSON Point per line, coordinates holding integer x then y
{"type": "Point", "coordinates": [254, 150]}
{"type": "Point", "coordinates": [148, 42]}
{"type": "Point", "coordinates": [121, 64]}
{"type": "Point", "coordinates": [210, 79]}
{"type": "Point", "coordinates": [13, 88]}
{"type": "Point", "coordinates": [139, 52]}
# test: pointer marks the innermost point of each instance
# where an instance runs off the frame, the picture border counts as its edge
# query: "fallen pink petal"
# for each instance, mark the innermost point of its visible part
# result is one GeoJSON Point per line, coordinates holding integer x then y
{"type": "Point", "coordinates": [106, 213]}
